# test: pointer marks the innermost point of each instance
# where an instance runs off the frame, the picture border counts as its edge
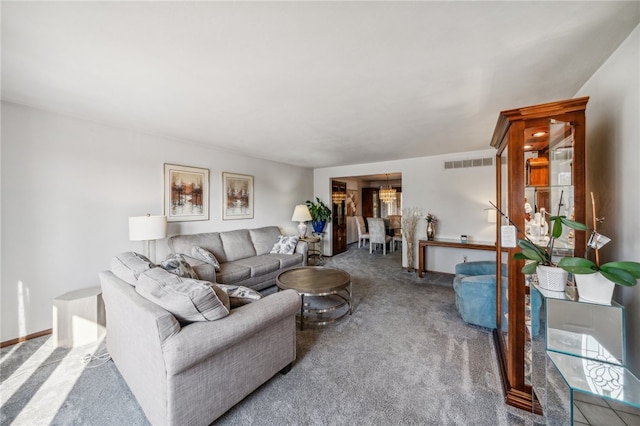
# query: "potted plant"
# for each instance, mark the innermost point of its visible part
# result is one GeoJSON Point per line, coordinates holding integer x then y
{"type": "Point", "coordinates": [596, 281]}
{"type": "Point", "coordinates": [320, 213]}
{"type": "Point", "coordinates": [540, 258]}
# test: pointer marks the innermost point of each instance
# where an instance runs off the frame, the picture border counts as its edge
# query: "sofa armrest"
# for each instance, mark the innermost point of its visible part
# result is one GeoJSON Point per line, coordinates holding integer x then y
{"type": "Point", "coordinates": [201, 340]}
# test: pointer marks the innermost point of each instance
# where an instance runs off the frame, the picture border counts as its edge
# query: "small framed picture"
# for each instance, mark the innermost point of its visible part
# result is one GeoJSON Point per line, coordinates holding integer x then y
{"type": "Point", "coordinates": [237, 194]}
{"type": "Point", "coordinates": [186, 193]}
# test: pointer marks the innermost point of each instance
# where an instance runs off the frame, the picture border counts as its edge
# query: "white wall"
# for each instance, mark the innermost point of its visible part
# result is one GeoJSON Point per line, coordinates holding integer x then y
{"type": "Point", "coordinates": [457, 197]}
{"type": "Point", "coordinates": [68, 187]}
{"type": "Point", "coordinates": [613, 151]}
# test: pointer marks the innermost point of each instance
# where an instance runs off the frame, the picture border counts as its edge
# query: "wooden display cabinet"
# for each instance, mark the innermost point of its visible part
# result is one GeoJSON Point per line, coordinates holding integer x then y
{"type": "Point", "coordinates": [538, 171]}
{"type": "Point", "coordinates": [554, 132]}
{"type": "Point", "coordinates": [339, 217]}
{"type": "Point", "coordinates": [370, 204]}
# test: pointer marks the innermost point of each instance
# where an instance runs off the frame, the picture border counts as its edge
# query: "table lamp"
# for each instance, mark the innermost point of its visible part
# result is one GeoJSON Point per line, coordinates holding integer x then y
{"type": "Point", "coordinates": [301, 214]}
{"type": "Point", "coordinates": [148, 229]}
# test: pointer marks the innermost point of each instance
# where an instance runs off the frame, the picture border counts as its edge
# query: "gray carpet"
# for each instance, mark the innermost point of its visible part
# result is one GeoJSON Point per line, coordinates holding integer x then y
{"type": "Point", "coordinates": [403, 357]}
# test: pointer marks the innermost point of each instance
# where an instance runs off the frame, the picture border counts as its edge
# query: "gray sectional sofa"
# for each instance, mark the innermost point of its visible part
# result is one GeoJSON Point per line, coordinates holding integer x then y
{"type": "Point", "coordinates": [184, 353]}
{"type": "Point", "coordinates": [244, 256]}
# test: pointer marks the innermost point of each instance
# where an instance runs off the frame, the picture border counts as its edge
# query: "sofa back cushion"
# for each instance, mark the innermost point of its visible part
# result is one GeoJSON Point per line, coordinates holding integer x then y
{"type": "Point", "coordinates": [229, 245]}
{"type": "Point", "coordinates": [264, 238]}
{"type": "Point", "coordinates": [187, 299]}
{"type": "Point", "coordinates": [237, 245]}
{"type": "Point", "coordinates": [129, 265]}
{"type": "Point", "coordinates": [208, 240]}
{"type": "Point", "coordinates": [124, 307]}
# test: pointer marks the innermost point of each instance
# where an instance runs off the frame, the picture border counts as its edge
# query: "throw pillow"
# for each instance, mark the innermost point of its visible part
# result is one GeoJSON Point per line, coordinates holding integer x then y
{"type": "Point", "coordinates": [129, 265]}
{"type": "Point", "coordinates": [285, 245]}
{"type": "Point", "coordinates": [239, 295]}
{"type": "Point", "coordinates": [206, 256]}
{"type": "Point", "coordinates": [187, 299]}
{"type": "Point", "coordinates": [177, 264]}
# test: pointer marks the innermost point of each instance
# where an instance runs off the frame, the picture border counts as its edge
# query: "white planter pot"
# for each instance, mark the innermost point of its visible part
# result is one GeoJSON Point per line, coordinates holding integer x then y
{"type": "Point", "coordinates": [552, 278]}
{"type": "Point", "coordinates": [594, 288]}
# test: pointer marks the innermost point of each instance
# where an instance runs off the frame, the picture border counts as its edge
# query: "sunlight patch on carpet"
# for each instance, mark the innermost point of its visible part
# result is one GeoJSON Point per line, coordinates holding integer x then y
{"type": "Point", "coordinates": [48, 392]}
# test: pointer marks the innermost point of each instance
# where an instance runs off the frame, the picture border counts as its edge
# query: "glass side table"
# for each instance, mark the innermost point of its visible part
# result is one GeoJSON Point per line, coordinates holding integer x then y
{"type": "Point", "coordinates": [583, 329]}
{"type": "Point", "coordinates": [599, 392]}
{"type": "Point", "coordinates": [585, 374]}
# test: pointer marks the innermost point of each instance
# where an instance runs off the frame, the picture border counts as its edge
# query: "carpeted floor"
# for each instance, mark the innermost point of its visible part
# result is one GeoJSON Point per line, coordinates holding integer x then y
{"type": "Point", "coordinates": [403, 357]}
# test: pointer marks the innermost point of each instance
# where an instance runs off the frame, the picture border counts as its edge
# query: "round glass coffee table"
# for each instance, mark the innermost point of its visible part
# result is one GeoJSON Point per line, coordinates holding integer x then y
{"type": "Point", "coordinates": [325, 292]}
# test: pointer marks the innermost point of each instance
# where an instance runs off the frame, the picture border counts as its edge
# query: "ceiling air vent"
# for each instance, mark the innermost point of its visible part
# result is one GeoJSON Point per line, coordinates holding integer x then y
{"type": "Point", "coordinates": [471, 162]}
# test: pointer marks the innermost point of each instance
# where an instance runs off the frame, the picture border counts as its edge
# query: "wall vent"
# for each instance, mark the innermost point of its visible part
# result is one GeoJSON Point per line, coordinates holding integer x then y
{"type": "Point", "coordinates": [472, 162]}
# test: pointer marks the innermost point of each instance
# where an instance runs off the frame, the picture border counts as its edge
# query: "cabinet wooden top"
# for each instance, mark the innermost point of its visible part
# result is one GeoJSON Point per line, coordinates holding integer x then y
{"type": "Point", "coordinates": [536, 111]}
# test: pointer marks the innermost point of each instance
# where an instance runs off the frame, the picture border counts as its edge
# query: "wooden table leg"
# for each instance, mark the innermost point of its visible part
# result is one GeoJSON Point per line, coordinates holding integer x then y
{"type": "Point", "coordinates": [422, 257]}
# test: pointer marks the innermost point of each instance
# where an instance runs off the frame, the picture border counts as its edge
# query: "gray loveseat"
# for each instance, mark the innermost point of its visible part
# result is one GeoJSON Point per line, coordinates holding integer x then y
{"type": "Point", "coordinates": [244, 256]}
{"type": "Point", "coordinates": [191, 373]}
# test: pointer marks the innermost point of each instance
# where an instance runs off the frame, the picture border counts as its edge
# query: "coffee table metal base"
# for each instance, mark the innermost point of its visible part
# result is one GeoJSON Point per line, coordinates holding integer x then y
{"type": "Point", "coordinates": [324, 309]}
{"type": "Point", "coordinates": [325, 293]}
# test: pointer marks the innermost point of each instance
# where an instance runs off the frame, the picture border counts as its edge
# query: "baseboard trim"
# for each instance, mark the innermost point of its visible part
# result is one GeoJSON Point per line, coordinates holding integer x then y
{"type": "Point", "coordinates": [25, 338]}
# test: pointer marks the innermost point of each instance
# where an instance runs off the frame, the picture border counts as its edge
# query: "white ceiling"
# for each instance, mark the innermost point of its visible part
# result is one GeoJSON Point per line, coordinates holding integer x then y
{"type": "Point", "coordinates": [308, 83]}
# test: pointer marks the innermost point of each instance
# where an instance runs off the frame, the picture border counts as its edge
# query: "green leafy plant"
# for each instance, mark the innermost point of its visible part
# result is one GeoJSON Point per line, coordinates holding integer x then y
{"type": "Point", "coordinates": [319, 210]}
{"type": "Point", "coordinates": [622, 273]}
{"type": "Point", "coordinates": [541, 255]}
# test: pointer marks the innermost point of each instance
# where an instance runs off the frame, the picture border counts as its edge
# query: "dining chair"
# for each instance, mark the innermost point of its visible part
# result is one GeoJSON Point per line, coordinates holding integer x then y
{"type": "Point", "coordinates": [395, 224]}
{"type": "Point", "coordinates": [363, 236]}
{"type": "Point", "coordinates": [377, 234]}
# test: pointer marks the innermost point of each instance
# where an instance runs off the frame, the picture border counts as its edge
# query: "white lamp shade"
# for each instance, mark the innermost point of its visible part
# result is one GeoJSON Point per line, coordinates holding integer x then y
{"type": "Point", "coordinates": [143, 228]}
{"type": "Point", "coordinates": [301, 213]}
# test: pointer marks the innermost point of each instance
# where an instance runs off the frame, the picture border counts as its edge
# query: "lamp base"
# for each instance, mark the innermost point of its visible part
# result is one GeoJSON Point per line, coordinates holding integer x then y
{"type": "Point", "coordinates": [149, 249]}
{"type": "Point", "coordinates": [302, 229]}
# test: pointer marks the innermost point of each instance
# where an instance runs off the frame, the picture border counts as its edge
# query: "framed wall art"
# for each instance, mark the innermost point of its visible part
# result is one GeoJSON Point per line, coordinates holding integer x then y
{"type": "Point", "coordinates": [186, 193]}
{"type": "Point", "coordinates": [237, 194]}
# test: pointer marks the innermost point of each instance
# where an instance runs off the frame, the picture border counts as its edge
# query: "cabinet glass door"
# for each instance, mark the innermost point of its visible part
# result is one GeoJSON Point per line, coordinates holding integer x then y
{"type": "Point", "coordinates": [502, 282]}
{"type": "Point", "coordinates": [561, 141]}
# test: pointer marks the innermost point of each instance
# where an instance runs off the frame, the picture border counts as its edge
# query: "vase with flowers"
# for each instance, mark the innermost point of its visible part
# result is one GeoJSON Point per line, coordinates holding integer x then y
{"type": "Point", "coordinates": [431, 226]}
{"type": "Point", "coordinates": [410, 219]}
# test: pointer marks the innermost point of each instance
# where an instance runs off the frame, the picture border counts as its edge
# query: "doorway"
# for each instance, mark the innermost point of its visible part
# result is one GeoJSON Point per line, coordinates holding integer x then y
{"type": "Point", "coordinates": [362, 199]}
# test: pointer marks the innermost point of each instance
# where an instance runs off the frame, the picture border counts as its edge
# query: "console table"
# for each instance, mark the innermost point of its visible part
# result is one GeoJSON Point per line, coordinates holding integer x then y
{"type": "Point", "coordinates": [423, 244]}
